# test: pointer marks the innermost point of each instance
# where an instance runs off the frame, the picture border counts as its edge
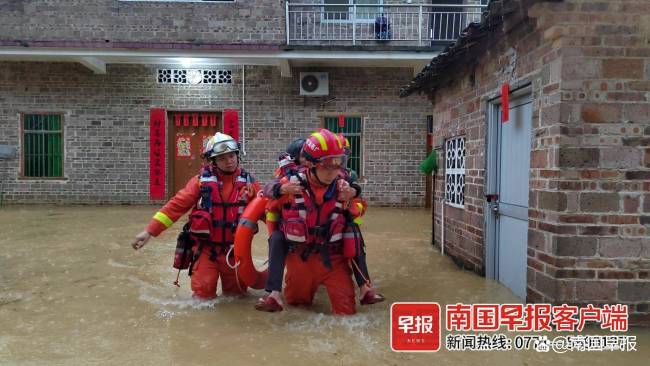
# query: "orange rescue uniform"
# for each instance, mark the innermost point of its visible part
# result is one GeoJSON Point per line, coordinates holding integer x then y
{"type": "Point", "coordinates": [206, 272]}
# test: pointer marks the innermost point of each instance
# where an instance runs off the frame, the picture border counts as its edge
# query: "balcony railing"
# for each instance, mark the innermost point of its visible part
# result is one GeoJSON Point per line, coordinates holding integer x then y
{"type": "Point", "coordinates": [408, 25]}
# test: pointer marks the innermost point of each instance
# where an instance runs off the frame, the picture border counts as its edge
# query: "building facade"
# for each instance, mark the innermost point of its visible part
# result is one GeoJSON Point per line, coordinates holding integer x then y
{"type": "Point", "coordinates": [80, 85]}
{"type": "Point", "coordinates": [568, 171]}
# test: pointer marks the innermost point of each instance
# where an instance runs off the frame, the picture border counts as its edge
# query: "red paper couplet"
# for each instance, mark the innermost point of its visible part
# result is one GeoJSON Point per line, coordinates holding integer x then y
{"type": "Point", "coordinates": [505, 103]}
{"type": "Point", "coordinates": [231, 123]}
{"type": "Point", "coordinates": [157, 154]}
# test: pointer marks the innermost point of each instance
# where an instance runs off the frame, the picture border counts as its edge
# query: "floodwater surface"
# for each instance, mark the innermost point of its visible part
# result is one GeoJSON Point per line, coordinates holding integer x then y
{"type": "Point", "coordinates": [74, 292]}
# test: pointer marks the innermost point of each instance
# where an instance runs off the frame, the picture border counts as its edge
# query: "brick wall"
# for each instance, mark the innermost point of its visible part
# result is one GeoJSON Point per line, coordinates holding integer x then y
{"type": "Point", "coordinates": [589, 216]}
{"type": "Point", "coordinates": [113, 23]}
{"type": "Point", "coordinates": [242, 21]}
{"type": "Point", "coordinates": [597, 182]}
{"type": "Point", "coordinates": [459, 109]}
{"type": "Point", "coordinates": [106, 126]}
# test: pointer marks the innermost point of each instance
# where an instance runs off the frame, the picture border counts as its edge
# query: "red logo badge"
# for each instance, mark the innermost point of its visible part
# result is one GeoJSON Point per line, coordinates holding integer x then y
{"type": "Point", "coordinates": [415, 327]}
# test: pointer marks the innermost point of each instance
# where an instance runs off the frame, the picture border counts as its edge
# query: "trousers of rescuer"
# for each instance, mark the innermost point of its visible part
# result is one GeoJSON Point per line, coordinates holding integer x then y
{"type": "Point", "coordinates": [206, 274]}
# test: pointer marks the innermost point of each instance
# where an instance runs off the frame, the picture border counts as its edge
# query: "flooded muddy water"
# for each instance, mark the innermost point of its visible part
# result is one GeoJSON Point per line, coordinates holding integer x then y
{"type": "Point", "coordinates": [74, 292]}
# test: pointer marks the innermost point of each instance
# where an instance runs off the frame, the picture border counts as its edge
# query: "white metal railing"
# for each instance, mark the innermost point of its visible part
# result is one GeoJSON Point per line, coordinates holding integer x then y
{"type": "Point", "coordinates": [349, 24]}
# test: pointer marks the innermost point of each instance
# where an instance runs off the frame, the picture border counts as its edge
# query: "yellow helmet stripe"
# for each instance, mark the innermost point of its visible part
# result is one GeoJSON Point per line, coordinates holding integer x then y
{"type": "Point", "coordinates": [321, 139]}
{"type": "Point", "coordinates": [164, 219]}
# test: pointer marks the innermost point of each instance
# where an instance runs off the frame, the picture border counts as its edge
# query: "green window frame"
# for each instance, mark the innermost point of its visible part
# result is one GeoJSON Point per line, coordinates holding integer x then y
{"type": "Point", "coordinates": [352, 131]}
{"type": "Point", "coordinates": [42, 146]}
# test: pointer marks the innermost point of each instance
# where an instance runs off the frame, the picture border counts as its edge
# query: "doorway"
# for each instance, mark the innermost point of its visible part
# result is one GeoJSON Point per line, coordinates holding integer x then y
{"type": "Point", "coordinates": [188, 135]}
{"type": "Point", "coordinates": [508, 170]}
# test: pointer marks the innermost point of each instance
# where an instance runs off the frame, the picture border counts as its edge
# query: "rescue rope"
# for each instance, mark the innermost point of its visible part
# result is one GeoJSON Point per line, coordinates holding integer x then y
{"type": "Point", "coordinates": [367, 281]}
{"type": "Point", "coordinates": [234, 268]}
{"type": "Point", "coordinates": [228, 255]}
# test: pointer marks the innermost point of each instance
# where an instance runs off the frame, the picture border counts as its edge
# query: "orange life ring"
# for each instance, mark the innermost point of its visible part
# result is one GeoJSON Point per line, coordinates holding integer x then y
{"type": "Point", "coordinates": [243, 241]}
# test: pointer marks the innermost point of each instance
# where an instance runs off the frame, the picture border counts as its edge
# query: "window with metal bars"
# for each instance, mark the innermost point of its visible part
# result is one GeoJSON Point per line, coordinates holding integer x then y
{"type": "Point", "coordinates": [455, 172]}
{"type": "Point", "coordinates": [42, 152]}
{"type": "Point", "coordinates": [351, 129]}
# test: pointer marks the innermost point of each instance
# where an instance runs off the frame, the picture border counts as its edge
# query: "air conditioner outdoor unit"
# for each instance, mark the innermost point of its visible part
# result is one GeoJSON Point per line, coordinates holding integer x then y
{"type": "Point", "coordinates": [314, 84]}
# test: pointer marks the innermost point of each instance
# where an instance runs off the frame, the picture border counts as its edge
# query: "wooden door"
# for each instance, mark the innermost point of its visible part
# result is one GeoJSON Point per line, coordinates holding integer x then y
{"type": "Point", "coordinates": [188, 134]}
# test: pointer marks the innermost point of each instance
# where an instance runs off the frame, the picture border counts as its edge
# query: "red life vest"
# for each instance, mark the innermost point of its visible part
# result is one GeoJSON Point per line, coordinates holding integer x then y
{"type": "Point", "coordinates": [213, 218]}
{"type": "Point", "coordinates": [306, 222]}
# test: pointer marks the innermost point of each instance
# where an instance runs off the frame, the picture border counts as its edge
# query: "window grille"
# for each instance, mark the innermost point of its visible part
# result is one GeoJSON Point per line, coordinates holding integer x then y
{"type": "Point", "coordinates": [194, 76]}
{"type": "Point", "coordinates": [455, 172]}
{"type": "Point", "coordinates": [42, 152]}
{"type": "Point", "coordinates": [352, 131]}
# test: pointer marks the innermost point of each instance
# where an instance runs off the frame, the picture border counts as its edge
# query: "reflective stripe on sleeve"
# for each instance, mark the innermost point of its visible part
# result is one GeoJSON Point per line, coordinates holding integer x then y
{"type": "Point", "coordinates": [164, 219]}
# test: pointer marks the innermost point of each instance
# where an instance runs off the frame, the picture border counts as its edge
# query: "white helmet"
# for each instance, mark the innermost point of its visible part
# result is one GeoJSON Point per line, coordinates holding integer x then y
{"type": "Point", "coordinates": [220, 144]}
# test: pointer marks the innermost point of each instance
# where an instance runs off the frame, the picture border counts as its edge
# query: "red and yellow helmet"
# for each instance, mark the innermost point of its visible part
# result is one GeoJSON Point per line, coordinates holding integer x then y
{"type": "Point", "coordinates": [346, 144]}
{"type": "Point", "coordinates": [325, 148]}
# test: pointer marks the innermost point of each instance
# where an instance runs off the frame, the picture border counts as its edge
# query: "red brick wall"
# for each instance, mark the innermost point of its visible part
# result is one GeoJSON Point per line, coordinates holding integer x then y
{"type": "Point", "coordinates": [589, 217]}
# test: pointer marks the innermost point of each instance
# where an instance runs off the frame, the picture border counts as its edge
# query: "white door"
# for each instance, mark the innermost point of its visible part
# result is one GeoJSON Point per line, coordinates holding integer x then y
{"type": "Point", "coordinates": [509, 152]}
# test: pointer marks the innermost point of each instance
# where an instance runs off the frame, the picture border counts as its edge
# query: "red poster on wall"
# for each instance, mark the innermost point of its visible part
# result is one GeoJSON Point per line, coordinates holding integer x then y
{"type": "Point", "coordinates": [183, 145]}
{"type": "Point", "coordinates": [157, 154]}
{"type": "Point", "coordinates": [231, 123]}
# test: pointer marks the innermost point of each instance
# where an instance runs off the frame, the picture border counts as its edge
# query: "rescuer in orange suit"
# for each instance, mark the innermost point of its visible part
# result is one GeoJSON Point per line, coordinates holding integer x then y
{"type": "Point", "coordinates": [292, 162]}
{"type": "Point", "coordinates": [311, 228]}
{"type": "Point", "coordinates": [217, 197]}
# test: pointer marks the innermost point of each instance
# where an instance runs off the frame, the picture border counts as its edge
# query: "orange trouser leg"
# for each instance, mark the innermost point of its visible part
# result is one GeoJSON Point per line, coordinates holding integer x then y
{"type": "Point", "coordinates": [340, 288]}
{"type": "Point", "coordinates": [229, 280]}
{"type": "Point", "coordinates": [205, 276]}
{"type": "Point", "coordinates": [303, 279]}
{"type": "Point", "coordinates": [300, 284]}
